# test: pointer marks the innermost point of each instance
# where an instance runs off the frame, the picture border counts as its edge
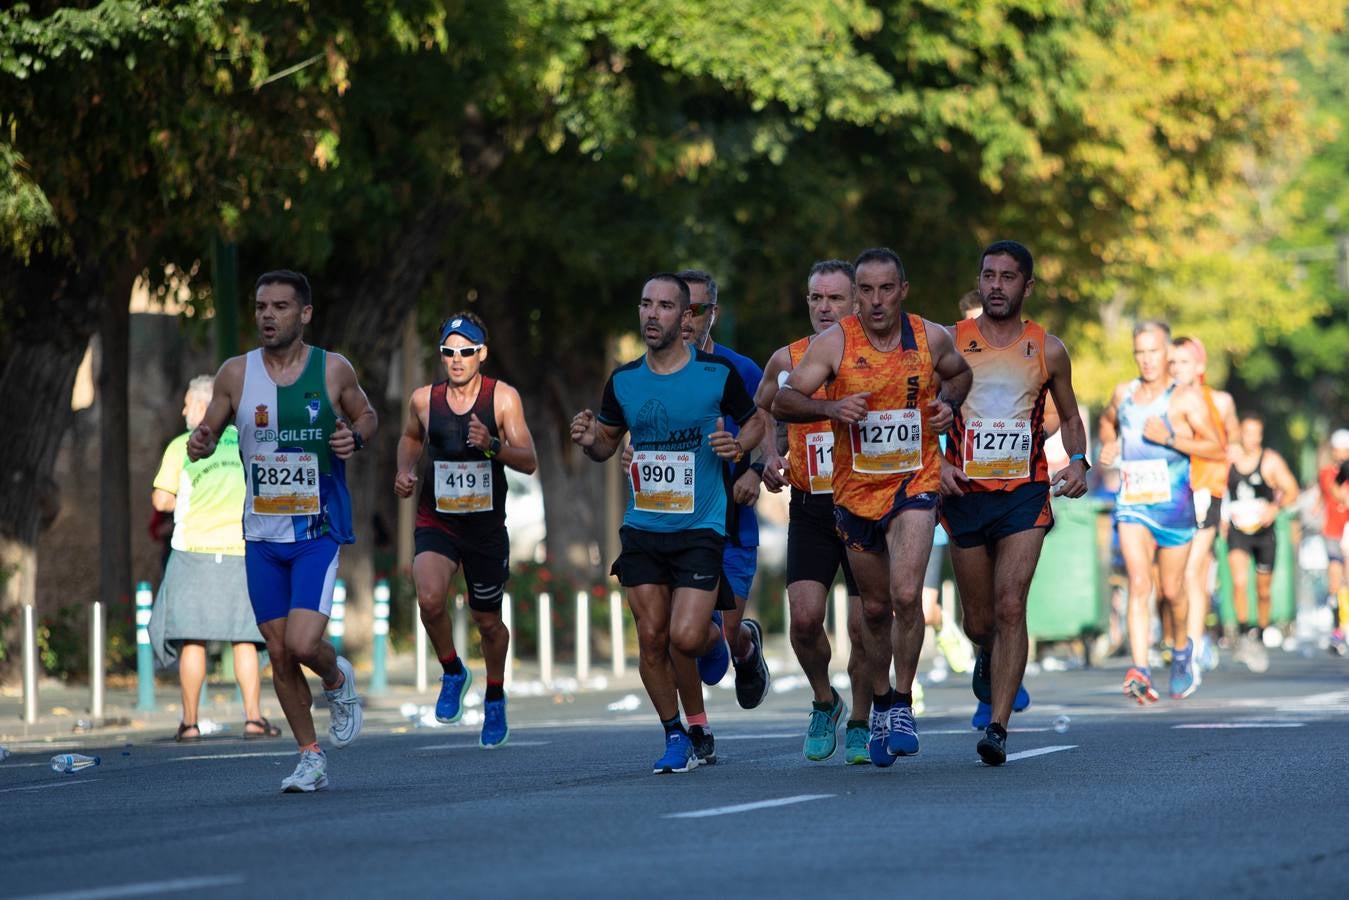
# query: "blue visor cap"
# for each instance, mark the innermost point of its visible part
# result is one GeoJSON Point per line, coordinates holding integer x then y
{"type": "Point", "coordinates": [462, 326]}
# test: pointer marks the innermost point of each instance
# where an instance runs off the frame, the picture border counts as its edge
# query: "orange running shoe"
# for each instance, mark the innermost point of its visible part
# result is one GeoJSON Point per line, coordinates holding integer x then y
{"type": "Point", "coordinates": [1138, 685]}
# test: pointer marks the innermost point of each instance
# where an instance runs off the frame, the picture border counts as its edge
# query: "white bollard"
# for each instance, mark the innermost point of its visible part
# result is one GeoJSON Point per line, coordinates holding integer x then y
{"type": "Point", "coordinates": [788, 653]}
{"type": "Point", "coordinates": [507, 617]}
{"type": "Point", "coordinates": [337, 616]}
{"type": "Point", "coordinates": [582, 636]}
{"type": "Point", "coordinates": [616, 633]}
{"type": "Point", "coordinates": [842, 646]}
{"type": "Point", "coordinates": [97, 646]}
{"type": "Point", "coordinates": [421, 655]}
{"type": "Point", "coordinates": [948, 601]}
{"type": "Point", "coordinates": [546, 638]}
{"type": "Point", "coordinates": [29, 664]}
{"type": "Point", "coordinates": [460, 626]}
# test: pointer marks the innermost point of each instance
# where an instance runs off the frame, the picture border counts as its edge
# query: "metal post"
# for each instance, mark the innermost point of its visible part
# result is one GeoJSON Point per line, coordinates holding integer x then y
{"type": "Point", "coordinates": [582, 636]}
{"type": "Point", "coordinates": [507, 619]}
{"type": "Point", "coordinates": [379, 680]}
{"type": "Point", "coordinates": [145, 657]}
{"type": "Point", "coordinates": [842, 646]}
{"type": "Point", "coordinates": [337, 617]}
{"type": "Point", "coordinates": [620, 650]}
{"type": "Point", "coordinates": [787, 652]}
{"type": "Point", "coordinates": [97, 648]}
{"type": "Point", "coordinates": [29, 664]}
{"type": "Point", "coordinates": [460, 626]}
{"type": "Point", "coordinates": [420, 629]}
{"type": "Point", "coordinates": [948, 602]}
{"type": "Point", "coordinates": [546, 638]}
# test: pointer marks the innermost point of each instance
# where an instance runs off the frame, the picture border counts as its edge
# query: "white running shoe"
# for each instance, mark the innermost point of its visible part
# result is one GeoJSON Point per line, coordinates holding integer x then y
{"type": "Point", "coordinates": [310, 775]}
{"type": "Point", "coordinates": [344, 707]}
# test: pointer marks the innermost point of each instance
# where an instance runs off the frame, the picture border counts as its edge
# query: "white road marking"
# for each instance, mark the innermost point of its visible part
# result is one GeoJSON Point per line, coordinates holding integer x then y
{"type": "Point", "coordinates": [1241, 725]}
{"type": "Point", "coordinates": [758, 737]}
{"type": "Point", "coordinates": [976, 731]}
{"type": "Point", "coordinates": [172, 886]}
{"type": "Point", "coordinates": [509, 744]}
{"type": "Point", "coordinates": [52, 784]}
{"type": "Point", "coordinates": [1038, 751]}
{"type": "Point", "coordinates": [746, 807]}
{"type": "Point", "coordinates": [234, 755]}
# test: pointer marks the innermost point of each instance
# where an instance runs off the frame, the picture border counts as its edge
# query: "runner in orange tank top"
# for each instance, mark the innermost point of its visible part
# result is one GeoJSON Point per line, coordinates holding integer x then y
{"type": "Point", "coordinates": [1208, 477]}
{"type": "Point", "coordinates": [814, 550]}
{"type": "Point", "coordinates": [885, 406]}
{"type": "Point", "coordinates": [996, 482]}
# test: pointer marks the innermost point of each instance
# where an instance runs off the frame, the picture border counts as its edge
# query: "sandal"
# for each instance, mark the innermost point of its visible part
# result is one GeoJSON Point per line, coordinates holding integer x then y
{"type": "Point", "coordinates": [183, 727]}
{"type": "Point", "coordinates": [268, 729]}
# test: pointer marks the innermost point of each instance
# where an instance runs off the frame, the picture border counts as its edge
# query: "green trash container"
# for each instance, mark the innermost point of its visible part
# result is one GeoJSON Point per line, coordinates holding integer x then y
{"type": "Point", "coordinates": [1283, 591]}
{"type": "Point", "coordinates": [1067, 594]}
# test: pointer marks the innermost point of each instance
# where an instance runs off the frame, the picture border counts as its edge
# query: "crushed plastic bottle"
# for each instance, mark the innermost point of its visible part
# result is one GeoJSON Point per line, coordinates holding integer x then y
{"type": "Point", "coordinates": [4, 753]}
{"type": "Point", "coordinates": [629, 703]}
{"type": "Point", "coordinates": [70, 763]}
{"type": "Point", "coordinates": [1061, 724]}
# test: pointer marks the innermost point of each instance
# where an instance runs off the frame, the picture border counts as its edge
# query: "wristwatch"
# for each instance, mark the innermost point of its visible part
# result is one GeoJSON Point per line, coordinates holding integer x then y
{"type": "Point", "coordinates": [356, 437]}
{"type": "Point", "coordinates": [493, 448]}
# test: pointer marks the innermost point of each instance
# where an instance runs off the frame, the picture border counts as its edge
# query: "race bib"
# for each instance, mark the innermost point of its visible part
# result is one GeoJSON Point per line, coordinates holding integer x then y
{"type": "Point", "coordinates": [1246, 514]}
{"type": "Point", "coordinates": [463, 487]}
{"type": "Point", "coordinates": [662, 481]}
{"type": "Point", "coordinates": [888, 441]}
{"type": "Point", "coordinates": [820, 461]}
{"type": "Point", "coordinates": [997, 448]}
{"type": "Point", "coordinates": [1143, 482]}
{"type": "Point", "coordinates": [284, 484]}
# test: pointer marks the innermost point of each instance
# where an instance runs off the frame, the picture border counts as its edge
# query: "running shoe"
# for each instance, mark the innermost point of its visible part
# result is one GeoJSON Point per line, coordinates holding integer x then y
{"type": "Point", "coordinates": [992, 747]}
{"type": "Point", "coordinates": [1254, 654]}
{"type": "Point", "coordinates": [1139, 686]}
{"type": "Point", "coordinates": [855, 747]}
{"type": "Point", "coordinates": [1021, 702]}
{"type": "Point", "coordinates": [704, 745]}
{"type": "Point", "coordinates": [880, 734]}
{"type": "Point", "coordinates": [919, 706]}
{"type": "Point", "coordinates": [981, 682]}
{"type": "Point", "coordinates": [751, 674]}
{"type": "Point", "coordinates": [310, 775]}
{"type": "Point", "coordinates": [903, 737]}
{"type": "Point", "coordinates": [679, 756]}
{"type": "Point", "coordinates": [1206, 656]}
{"type": "Point", "coordinates": [955, 647]}
{"type": "Point", "coordinates": [450, 703]}
{"type": "Point", "coordinates": [495, 731]}
{"type": "Point", "coordinates": [344, 707]}
{"type": "Point", "coordinates": [713, 664]}
{"type": "Point", "coordinates": [1184, 674]}
{"type": "Point", "coordinates": [822, 730]}
{"type": "Point", "coordinates": [983, 714]}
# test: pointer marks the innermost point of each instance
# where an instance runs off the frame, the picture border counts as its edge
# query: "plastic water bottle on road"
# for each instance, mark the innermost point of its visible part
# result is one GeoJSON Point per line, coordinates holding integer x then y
{"type": "Point", "coordinates": [1061, 724]}
{"type": "Point", "coordinates": [70, 763]}
{"type": "Point", "coordinates": [4, 753]}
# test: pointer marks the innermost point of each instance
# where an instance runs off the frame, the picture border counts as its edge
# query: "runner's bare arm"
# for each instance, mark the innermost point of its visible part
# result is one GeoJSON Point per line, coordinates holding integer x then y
{"type": "Point", "coordinates": [1276, 473]}
{"type": "Point", "coordinates": [779, 362]}
{"type": "Point", "coordinates": [956, 375]}
{"type": "Point", "coordinates": [1072, 479]}
{"type": "Point", "coordinates": [1107, 427]}
{"type": "Point", "coordinates": [1198, 433]}
{"type": "Point", "coordinates": [794, 402]}
{"type": "Point", "coordinates": [597, 440]}
{"type": "Point", "coordinates": [779, 365]}
{"type": "Point", "coordinates": [411, 441]}
{"type": "Point", "coordinates": [352, 407]}
{"type": "Point", "coordinates": [229, 384]}
{"type": "Point", "coordinates": [1227, 408]}
{"type": "Point", "coordinates": [518, 449]}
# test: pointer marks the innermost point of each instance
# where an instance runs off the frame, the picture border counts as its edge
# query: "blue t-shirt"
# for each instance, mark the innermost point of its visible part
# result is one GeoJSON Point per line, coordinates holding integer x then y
{"type": "Point", "coordinates": [744, 523]}
{"type": "Point", "coordinates": [675, 413]}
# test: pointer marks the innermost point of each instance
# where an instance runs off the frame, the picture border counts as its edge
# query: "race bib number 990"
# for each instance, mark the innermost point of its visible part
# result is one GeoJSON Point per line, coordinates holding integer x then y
{"type": "Point", "coordinates": [997, 448]}
{"type": "Point", "coordinates": [662, 481]}
{"type": "Point", "coordinates": [284, 484]}
{"type": "Point", "coordinates": [463, 487]}
{"type": "Point", "coordinates": [888, 441]}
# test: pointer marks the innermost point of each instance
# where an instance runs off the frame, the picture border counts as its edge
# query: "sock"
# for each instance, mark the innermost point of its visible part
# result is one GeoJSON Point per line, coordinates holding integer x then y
{"type": "Point", "coordinates": [496, 690]}
{"type": "Point", "coordinates": [673, 725]}
{"type": "Point", "coordinates": [882, 702]}
{"type": "Point", "coordinates": [341, 680]}
{"type": "Point", "coordinates": [998, 730]}
{"type": "Point", "coordinates": [700, 720]}
{"type": "Point", "coordinates": [858, 723]}
{"type": "Point", "coordinates": [314, 746]}
{"type": "Point", "coordinates": [1145, 671]}
{"type": "Point", "coordinates": [1183, 654]}
{"type": "Point", "coordinates": [452, 664]}
{"type": "Point", "coordinates": [822, 706]}
{"type": "Point", "coordinates": [903, 699]}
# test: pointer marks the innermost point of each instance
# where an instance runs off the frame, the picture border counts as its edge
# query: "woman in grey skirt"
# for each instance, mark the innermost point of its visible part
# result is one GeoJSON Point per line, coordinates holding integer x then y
{"type": "Point", "coordinates": [204, 595]}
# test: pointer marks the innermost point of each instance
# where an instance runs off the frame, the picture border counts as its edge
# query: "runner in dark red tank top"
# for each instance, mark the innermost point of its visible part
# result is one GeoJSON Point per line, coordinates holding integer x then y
{"type": "Point", "coordinates": [472, 428]}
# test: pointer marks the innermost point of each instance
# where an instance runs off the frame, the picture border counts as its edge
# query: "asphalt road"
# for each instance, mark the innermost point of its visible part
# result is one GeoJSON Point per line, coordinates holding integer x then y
{"type": "Point", "coordinates": [1239, 791]}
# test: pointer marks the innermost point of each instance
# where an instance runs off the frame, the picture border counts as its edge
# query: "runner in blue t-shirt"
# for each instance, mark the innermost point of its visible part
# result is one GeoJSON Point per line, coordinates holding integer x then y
{"type": "Point", "coordinates": [675, 402]}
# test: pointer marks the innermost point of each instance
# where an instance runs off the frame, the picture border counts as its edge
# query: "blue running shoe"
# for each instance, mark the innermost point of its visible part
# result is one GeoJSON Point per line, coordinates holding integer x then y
{"type": "Point", "coordinates": [495, 731]}
{"type": "Point", "coordinates": [713, 664]}
{"type": "Point", "coordinates": [903, 737]}
{"type": "Point", "coordinates": [981, 681]}
{"type": "Point", "coordinates": [1022, 701]}
{"type": "Point", "coordinates": [679, 756]}
{"type": "Point", "coordinates": [880, 733]}
{"type": "Point", "coordinates": [983, 714]}
{"type": "Point", "coordinates": [1184, 674]}
{"type": "Point", "coordinates": [450, 703]}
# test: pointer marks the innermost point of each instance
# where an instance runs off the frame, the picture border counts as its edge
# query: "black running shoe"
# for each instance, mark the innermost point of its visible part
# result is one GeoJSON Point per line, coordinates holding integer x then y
{"type": "Point", "coordinates": [751, 675]}
{"type": "Point", "coordinates": [992, 747]}
{"type": "Point", "coordinates": [704, 745]}
{"type": "Point", "coordinates": [981, 682]}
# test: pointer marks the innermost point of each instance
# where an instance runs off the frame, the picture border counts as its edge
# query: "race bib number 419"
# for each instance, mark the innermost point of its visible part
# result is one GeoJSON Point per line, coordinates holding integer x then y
{"type": "Point", "coordinates": [888, 441]}
{"type": "Point", "coordinates": [284, 484]}
{"type": "Point", "coordinates": [463, 487]}
{"type": "Point", "coordinates": [662, 481]}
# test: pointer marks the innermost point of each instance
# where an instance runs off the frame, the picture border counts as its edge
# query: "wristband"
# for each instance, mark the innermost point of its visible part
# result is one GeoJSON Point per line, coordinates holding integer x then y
{"type": "Point", "coordinates": [758, 467]}
{"type": "Point", "coordinates": [1076, 456]}
{"type": "Point", "coordinates": [493, 448]}
{"type": "Point", "coordinates": [357, 439]}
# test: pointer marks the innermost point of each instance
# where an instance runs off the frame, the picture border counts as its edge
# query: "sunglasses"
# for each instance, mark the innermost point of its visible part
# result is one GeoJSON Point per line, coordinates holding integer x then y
{"type": "Point", "coordinates": [461, 352]}
{"type": "Point", "coordinates": [699, 309]}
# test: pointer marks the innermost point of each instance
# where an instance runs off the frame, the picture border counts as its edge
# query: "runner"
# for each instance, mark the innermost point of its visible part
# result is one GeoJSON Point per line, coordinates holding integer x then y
{"type": "Point", "coordinates": [1208, 478]}
{"type": "Point", "coordinates": [1151, 427]}
{"type": "Point", "coordinates": [814, 551]}
{"type": "Point", "coordinates": [300, 415]}
{"type": "Point", "coordinates": [1259, 485]}
{"type": "Point", "coordinates": [740, 561]}
{"type": "Point", "coordinates": [675, 400]}
{"type": "Point", "coordinates": [461, 513]}
{"type": "Point", "coordinates": [886, 367]}
{"type": "Point", "coordinates": [995, 479]}
{"type": "Point", "coordinates": [1332, 533]}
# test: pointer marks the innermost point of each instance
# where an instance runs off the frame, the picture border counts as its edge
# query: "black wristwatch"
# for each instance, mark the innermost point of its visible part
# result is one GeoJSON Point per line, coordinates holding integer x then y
{"type": "Point", "coordinates": [356, 437]}
{"type": "Point", "coordinates": [493, 448]}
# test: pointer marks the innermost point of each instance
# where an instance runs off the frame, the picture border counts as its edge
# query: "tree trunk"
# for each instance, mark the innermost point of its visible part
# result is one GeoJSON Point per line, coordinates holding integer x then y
{"type": "Point", "coordinates": [114, 514]}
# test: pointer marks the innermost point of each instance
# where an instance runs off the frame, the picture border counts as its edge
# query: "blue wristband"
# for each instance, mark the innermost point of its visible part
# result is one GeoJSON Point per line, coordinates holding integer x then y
{"type": "Point", "coordinates": [1076, 456]}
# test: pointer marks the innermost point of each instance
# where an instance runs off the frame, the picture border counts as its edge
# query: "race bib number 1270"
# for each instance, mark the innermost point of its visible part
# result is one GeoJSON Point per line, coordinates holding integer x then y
{"type": "Point", "coordinates": [888, 441]}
